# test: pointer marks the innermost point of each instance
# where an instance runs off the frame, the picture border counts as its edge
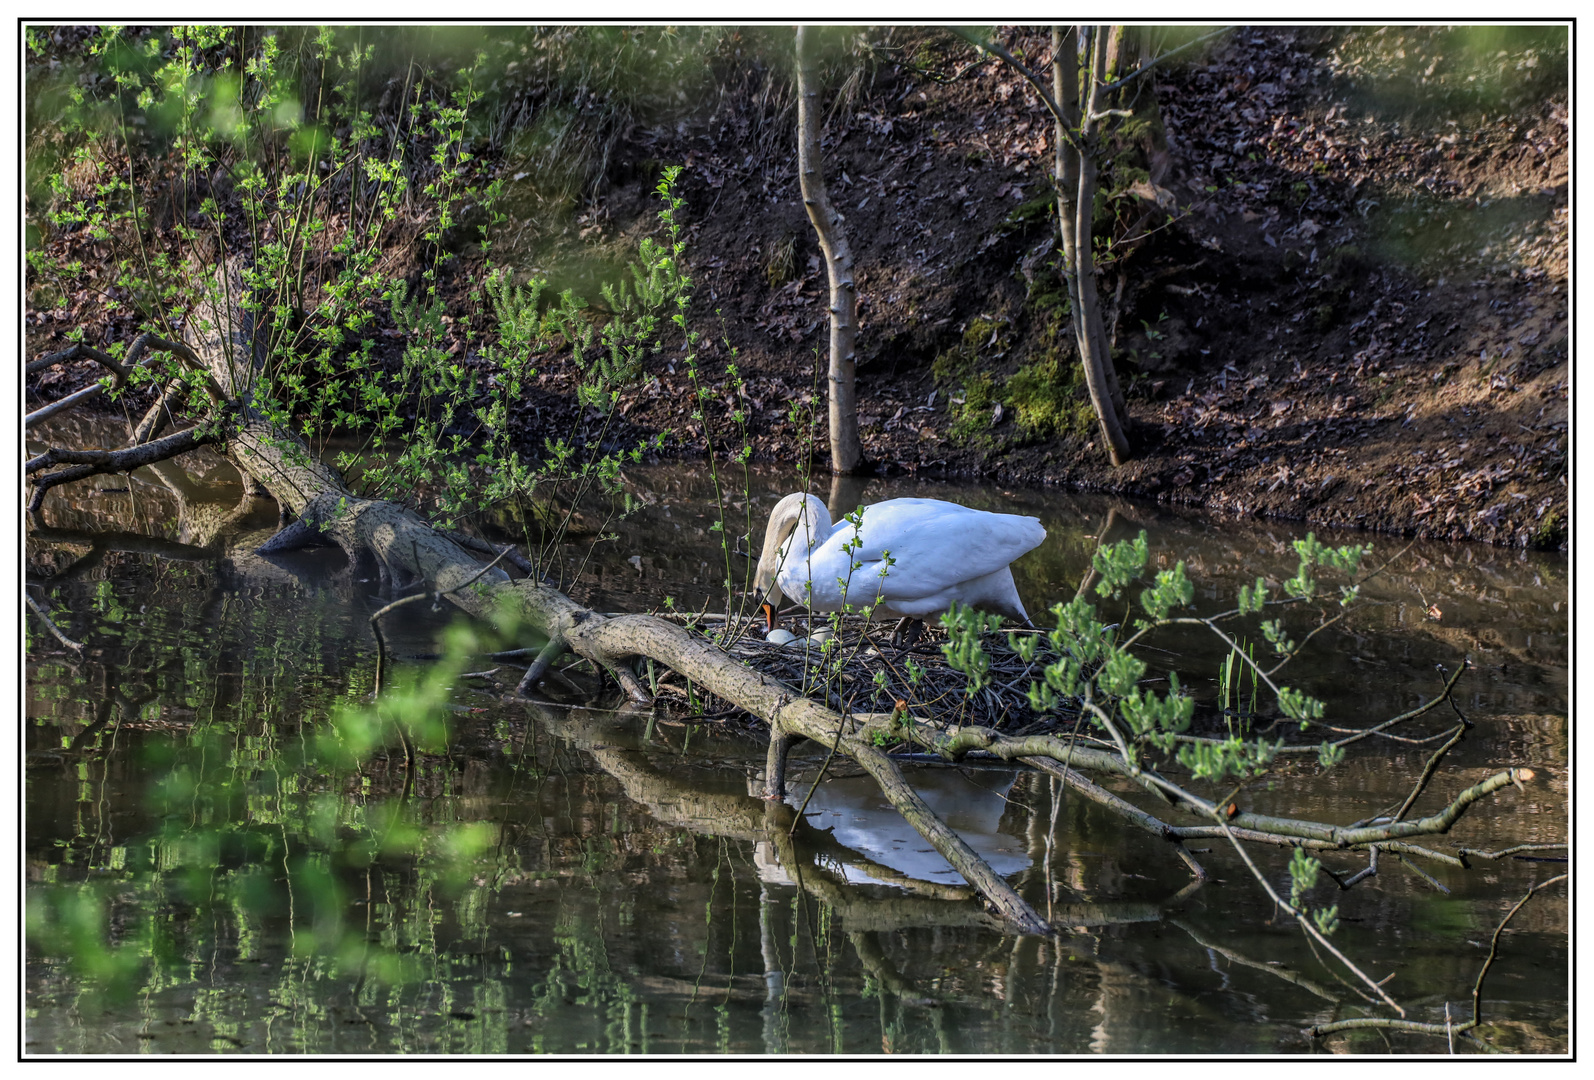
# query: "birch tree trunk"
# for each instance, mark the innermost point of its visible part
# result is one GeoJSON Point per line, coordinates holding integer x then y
{"type": "Point", "coordinates": [1077, 176]}
{"type": "Point", "coordinates": [845, 454]}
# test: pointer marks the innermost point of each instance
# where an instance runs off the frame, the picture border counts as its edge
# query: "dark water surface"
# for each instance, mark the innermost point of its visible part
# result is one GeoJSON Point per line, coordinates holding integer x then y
{"type": "Point", "coordinates": [581, 881]}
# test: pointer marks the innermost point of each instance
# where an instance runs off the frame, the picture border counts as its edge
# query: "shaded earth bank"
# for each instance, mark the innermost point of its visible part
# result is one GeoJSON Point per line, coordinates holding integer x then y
{"type": "Point", "coordinates": [1355, 313]}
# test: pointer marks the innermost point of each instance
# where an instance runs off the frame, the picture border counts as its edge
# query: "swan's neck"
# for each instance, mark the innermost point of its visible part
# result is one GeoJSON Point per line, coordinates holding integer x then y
{"type": "Point", "coordinates": [813, 528]}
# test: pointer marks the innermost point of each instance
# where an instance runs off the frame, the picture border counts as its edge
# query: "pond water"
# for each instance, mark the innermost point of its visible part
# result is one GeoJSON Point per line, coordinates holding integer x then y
{"type": "Point", "coordinates": [270, 877]}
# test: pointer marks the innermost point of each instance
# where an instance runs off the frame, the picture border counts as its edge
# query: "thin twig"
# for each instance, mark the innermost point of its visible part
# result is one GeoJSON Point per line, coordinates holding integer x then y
{"type": "Point", "coordinates": [1428, 772]}
{"type": "Point", "coordinates": [1035, 81]}
{"type": "Point", "coordinates": [1148, 66]}
{"type": "Point", "coordinates": [1470, 853]}
{"type": "Point", "coordinates": [1305, 922]}
{"type": "Point", "coordinates": [50, 625]}
{"type": "Point", "coordinates": [1494, 944]}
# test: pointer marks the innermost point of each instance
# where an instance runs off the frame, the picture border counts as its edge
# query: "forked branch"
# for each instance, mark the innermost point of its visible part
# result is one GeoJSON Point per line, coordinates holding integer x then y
{"type": "Point", "coordinates": [86, 463]}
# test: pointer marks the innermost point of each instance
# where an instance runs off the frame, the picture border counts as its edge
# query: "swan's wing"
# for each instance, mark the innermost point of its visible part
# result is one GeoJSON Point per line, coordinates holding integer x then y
{"type": "Point", "coordinates": [935, 544]}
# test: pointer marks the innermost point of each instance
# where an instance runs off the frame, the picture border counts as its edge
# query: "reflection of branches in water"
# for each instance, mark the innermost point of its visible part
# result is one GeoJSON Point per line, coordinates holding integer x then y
{"type": "Point", "coordinates": [1234, 956]}
{"type": "Point", "coordinates": [1449, 1029]}
{"type": "Point", "coordinates": [49, 624]}
{"type": "Point", "coordinates": [815, 862]}
{"type": "Point", "coordinates": [202, 520]}
{"type": "Point", "coordinates": [101, 544]}
{"type": "Point", "coordinates": [679, 801]}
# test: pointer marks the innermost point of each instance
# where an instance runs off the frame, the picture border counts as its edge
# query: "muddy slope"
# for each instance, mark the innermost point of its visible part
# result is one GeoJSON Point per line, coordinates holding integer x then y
{"type": "Point", "coordinates": [1357, 316]}
{"type": "Point", "coordinates": [1359, 320]}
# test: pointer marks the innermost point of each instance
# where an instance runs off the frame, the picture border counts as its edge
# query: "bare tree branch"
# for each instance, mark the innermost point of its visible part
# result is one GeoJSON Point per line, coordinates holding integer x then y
{"type": "Point", "coordinates": [93, 462]}
{"type": "Point", "coordinates": [119, 370]}
{"type": "Point", "coordinates": [76, 352]}
{"type": "Point", "coordinates": [76, 646]}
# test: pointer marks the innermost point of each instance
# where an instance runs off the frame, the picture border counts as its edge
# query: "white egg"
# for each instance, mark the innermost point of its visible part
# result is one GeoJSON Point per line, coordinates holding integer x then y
{"type": "Point", "coordinates": [780, 637]}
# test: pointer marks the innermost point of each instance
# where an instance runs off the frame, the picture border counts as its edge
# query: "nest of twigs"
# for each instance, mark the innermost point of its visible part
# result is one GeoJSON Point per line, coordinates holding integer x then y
{"type": "Point", "coordinates": [860, 670]}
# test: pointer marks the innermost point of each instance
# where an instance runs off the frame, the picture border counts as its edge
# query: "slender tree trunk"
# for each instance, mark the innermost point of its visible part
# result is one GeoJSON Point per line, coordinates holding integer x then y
{"type": "Point", "coordinates": [845, 453]}
{"type": "Point", "coordinates": [1076, 194]}
{"type": "Point", "coordinates": [1107, 40]}
{"type": "Point", "coordinates": [1090, 131]}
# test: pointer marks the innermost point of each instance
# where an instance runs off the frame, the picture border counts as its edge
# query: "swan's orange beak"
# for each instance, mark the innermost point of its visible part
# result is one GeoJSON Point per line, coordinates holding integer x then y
{"type": "Point", "coordinates": [769, 617]}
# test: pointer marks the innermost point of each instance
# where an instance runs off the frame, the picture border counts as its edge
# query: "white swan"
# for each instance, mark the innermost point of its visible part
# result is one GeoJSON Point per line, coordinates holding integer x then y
{"type": "Point", "coordinates": [939, 552]}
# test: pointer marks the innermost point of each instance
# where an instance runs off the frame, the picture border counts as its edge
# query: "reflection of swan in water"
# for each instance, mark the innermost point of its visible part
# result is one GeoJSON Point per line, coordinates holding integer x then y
{"type": "Point", "coordinates": [970, 801]}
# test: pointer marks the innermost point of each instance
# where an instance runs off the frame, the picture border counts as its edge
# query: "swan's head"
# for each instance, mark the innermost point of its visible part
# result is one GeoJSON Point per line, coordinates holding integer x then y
{"type": "Point", "coordinates": [794, 510]}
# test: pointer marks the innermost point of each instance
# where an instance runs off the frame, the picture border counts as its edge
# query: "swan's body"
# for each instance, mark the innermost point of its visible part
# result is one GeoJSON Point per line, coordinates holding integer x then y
{"type": "Point", "coordinates": [939, 552]}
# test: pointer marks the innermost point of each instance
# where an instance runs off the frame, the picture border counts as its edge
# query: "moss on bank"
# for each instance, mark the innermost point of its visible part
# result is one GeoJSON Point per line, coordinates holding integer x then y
{"type": "Point", "coordinates": [1045, 398]}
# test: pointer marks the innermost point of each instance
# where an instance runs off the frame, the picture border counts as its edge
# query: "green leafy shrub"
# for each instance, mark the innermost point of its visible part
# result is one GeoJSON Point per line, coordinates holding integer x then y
{"type": "Point", "coordinates": [1088, 665]}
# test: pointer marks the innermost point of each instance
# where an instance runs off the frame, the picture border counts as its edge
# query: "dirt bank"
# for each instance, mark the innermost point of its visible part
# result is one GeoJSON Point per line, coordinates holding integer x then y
{"type": "Point", "coordinates": [1361, 321]}
{"type": "Point", "coordinates": [1356, 317]}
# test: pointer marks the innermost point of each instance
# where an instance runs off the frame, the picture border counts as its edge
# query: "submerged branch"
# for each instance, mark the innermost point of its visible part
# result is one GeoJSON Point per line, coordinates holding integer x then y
{"type": "Point", "coordinates": [1494, 943]}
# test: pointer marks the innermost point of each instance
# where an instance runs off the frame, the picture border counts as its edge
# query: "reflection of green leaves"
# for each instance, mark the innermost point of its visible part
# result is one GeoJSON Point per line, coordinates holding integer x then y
{"type": "Point", "coordinates": [107, 603]}
{"type": "Point", "coordinates": [73, 922]}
